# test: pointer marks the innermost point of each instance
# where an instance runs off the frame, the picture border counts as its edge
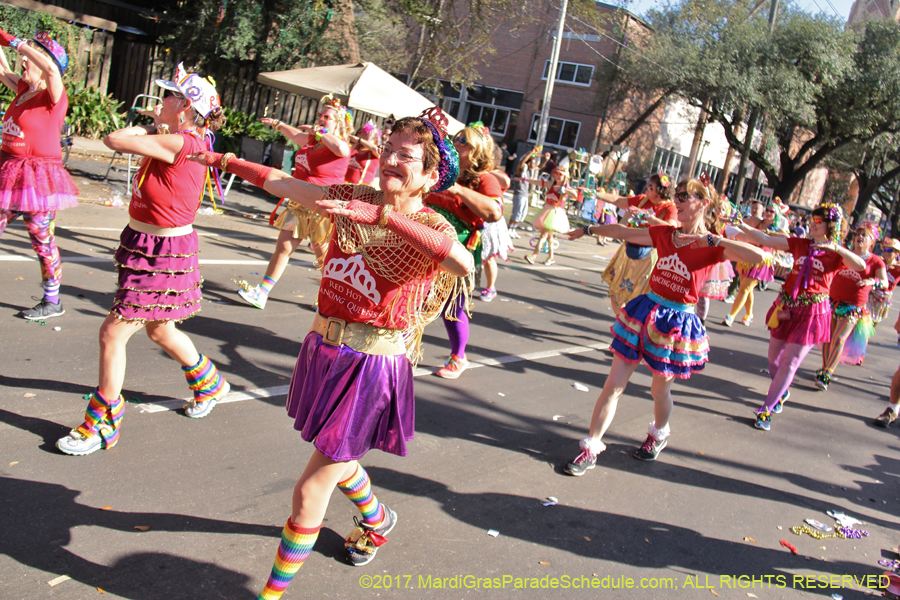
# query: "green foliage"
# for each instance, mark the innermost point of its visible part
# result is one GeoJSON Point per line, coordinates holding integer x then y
{"type": "Point", "coordinates": [92, 114]}
{"type": "Point", "coordinates": [238, 125]}
{"type": "Point", "coordinates": [819, 85]}
{"type": "Point", "coordinates": [215, 37]}
{"type": "Point", "coordinates": [26, 23]}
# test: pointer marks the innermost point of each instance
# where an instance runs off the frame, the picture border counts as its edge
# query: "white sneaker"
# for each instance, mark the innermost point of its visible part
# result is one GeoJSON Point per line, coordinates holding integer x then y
{"type": "Point", "coordinates": [513, 234]}
{"type": "Point", "coordinates": [254, 296]}
{"type": "Point", "coordinates": [198, 410]}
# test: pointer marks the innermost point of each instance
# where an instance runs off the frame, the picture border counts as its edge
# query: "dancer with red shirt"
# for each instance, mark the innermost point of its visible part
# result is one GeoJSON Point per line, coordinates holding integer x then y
{"type": "Point", "coordinates": [363, 165]}
{"type": "Point", "coordinates": [800, 318]}
{"type": "Point", "coordinates": [322, 160]}
{"type": "Point", "coordinates": [660, 327]}
{"type": "Point", "coordinates": [628, 273]}
{"type": "Point", "coordinates": [851, 324]}
{"type": "Point", "coordinates": [391, 265]}
{"type": "Point", "coordinates": [159, 266]}
{"type": "Point", "coordinates": [474, 199]}
{"type": "Point", "coordinates": [880, 300]}
{"type": "Point", "coordinates": [33, 183]}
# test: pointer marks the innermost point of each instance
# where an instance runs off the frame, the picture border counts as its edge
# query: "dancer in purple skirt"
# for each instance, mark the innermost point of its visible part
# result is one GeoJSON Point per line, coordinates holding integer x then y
{"type": "Point", "coordinates": [391, 267]}
{"type": "Point", "coordinates": [33, 182]}
{"type": "Point", "coordinates": [159, 266]}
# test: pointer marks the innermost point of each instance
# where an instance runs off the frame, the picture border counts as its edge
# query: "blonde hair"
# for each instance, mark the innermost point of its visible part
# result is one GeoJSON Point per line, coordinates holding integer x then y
{"type": "Point", "coordinates": [481, 157]}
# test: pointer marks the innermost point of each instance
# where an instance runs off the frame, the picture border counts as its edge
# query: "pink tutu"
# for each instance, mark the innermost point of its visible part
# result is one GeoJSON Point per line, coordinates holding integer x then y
{"type": "Point", "coordinates": [809, 324]}
{"type": "Point", "coordinates": [716, 286]}
{"type": "Point", "coordinates": [35, 184]}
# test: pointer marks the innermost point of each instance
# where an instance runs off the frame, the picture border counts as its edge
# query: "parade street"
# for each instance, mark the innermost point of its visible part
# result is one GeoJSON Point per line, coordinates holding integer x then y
{"type": "Point", "coordinates": [185, 508]}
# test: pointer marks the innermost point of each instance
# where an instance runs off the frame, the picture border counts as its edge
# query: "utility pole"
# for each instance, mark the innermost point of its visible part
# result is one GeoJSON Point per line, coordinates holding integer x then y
{"type": "Point", "coordinates": [751, 124]}
{"type": "Point", "coordinates": [551, 76]}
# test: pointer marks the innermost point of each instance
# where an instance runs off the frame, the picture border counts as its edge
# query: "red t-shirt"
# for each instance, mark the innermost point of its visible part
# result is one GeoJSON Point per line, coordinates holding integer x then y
{"type": "Point", "coordinates": [824, 267]}
{"type": "Point", "coordinates": [844, 287]}
{"type": "Point", "coordinates": [352, 289]}
{"type": "Point", "coordinates": [317, 164]}
{"type": "Point", "coordinates": [665, 211]}
{"type": "Point", "coordinates": [556, 196]}
{"type": "Point", "coordinates": [169, 195]}
{"type": "Point", "coordinates": [893, 275]}
{"type": "Point", "coordinates": [680, 272]}
{"type": "Point", "coordinates": [452, 203]}
{"type": "Point", "coordinates": [33, 128]}
{"type": "Point", "coordinates": [363, 167]}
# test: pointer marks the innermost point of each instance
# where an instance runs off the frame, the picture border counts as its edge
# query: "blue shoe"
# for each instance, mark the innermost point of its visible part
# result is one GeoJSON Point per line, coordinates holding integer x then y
{"type": "Point", "coordinates": [779, 406]}
{"type": "Point", "coordinates": [763, 420]}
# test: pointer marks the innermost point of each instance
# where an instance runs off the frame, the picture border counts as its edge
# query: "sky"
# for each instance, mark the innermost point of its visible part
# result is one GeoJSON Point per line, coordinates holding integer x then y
{"type": "Point", "coordinates": [813, 6]}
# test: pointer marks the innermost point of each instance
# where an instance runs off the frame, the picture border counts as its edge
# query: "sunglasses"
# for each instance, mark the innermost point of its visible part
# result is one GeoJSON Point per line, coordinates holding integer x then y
{"type": "Point", "coordinates": [888, 250]}
{"type": "Point", "coordinates": [461, 140]}
{"type": "Point", "coordinates": [683, 196]}
{"type": "Point", "coordinates": [173, 93]}
{"type": "Point", "coordinates": [817, 220]}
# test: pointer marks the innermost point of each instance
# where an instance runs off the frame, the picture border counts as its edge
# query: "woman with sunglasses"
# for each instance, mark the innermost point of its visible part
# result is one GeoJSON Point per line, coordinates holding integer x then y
{"type": "Point", "coordinates": [851, 325]}
{"type": "Point", "coordinates": [391, 265]}
{"type": "Point", "coordinates": [322, 159]}
{"type": "Point", "coordinates": [158, 257]}
{"type": "Point", "coordinates": [475, 199]}
{"type": "Point", "coordinates": [33, 183]}
{"type": "Point", "coordinates": [800, 317]}
{"type": "Point", "coordinates": [628, 273]}
{"type": "Point", "coordinates": [772, 223]}
{"type": "Point", "coordinates": [660, 327]}
{"type": "Point", "coordinates": [880, 300]}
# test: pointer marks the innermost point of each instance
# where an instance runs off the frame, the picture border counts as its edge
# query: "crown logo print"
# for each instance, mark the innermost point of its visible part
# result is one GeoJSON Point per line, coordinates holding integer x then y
{"type": "Point", "coordinates": [353, 272]}
{"type": "Point", "coordinates": [673, 263]}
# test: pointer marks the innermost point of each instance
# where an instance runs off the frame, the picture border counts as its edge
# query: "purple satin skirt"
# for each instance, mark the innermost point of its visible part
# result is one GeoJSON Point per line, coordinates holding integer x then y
{"type": "Point", "coordinates": [349, 402]}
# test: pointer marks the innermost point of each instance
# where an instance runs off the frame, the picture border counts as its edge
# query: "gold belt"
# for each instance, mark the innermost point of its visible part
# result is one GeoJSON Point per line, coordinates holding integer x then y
{"type": "Point", "coordinates": [361, 337]}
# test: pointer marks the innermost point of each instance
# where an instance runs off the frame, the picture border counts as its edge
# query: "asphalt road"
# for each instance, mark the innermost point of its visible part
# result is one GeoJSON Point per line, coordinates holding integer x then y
{"type": "Point", "coordinates": [214, 494]}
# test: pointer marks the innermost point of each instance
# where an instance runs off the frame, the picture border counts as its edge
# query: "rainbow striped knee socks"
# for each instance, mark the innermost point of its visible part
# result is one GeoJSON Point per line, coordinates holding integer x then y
{"type": "Point", "coordinates": [296, 544]}
{"type": "Point", "coordinates": [358, 488]}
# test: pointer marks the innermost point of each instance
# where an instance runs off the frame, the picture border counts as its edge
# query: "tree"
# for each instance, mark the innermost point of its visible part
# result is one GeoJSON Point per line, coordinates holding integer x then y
{"type": "Point", "coordinates": [215, 36]}
{"type": "Point", "coordinates": [820, 86]}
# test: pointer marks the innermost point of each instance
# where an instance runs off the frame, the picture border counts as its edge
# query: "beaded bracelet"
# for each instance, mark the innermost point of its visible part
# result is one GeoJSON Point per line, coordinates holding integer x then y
{"type": "Point", "coordinates": [713, 240]}
{"type": "Point", "coordinates": [320, 132]}
{"type": "Point", "coordinates": [385, 215]}
{"type": "Point", "coordinates": [586, 229]}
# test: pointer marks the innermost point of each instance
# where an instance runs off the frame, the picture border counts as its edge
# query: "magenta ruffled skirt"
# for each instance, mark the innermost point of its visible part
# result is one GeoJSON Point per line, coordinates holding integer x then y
{"type": "Point", "coordinates": [159, 277]}
{"type": "Point", "coordinates": [761, 272]}
{"type": "Point", "coordinates": [35, 184]}
{"type": "Point", "coordinates": [347, 402]}
{"type": "Point", "coordinates": [809, 325]}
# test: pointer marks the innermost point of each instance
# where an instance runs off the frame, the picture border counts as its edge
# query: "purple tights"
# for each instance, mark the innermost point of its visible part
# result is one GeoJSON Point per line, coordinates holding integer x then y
{"type": "Point", "coordinates": [457, 331]}
{"type": "Point", "coordinates": [784, 360]}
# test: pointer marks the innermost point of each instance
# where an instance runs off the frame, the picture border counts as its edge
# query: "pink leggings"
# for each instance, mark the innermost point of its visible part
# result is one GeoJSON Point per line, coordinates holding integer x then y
{"type": "Point", "coordinates": [40, 227]}
{"type": "Point", "coordinates": [784, 360]}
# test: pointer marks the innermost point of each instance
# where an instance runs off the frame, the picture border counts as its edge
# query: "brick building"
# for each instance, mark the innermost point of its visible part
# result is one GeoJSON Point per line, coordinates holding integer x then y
{"type": "Point", "coordinates": [508, 95]}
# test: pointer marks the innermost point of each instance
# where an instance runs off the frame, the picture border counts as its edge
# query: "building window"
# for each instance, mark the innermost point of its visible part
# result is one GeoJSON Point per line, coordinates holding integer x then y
{"type": "Point", "coordinates": [494, 118]}
{"type": "Point", "coordinates": [560, 132]}
{"type": "Point", "coordinates": [574, 73]}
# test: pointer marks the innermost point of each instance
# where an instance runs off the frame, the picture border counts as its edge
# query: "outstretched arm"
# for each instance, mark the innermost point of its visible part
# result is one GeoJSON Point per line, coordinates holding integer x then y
{"type": "Point", "coordinates": [272, 180]}
{"type": "Point", "coordinates": [640, 237]}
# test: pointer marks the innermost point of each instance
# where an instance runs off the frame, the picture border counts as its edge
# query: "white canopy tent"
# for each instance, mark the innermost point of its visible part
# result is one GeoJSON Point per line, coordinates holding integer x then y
{"type": "Point", "coordinates": [363, 86]}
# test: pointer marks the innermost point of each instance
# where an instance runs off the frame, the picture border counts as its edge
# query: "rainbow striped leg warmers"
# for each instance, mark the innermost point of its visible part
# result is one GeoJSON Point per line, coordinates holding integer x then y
{"type": "Point", "coordinates": [204, 380]}
{"type": "Point", "coordinates": [296, 544]}
{"type": "Point", "coordinates": [103, 418]}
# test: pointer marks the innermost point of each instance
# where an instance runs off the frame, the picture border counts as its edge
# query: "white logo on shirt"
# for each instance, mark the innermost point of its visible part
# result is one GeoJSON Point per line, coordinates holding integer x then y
{"type": "Point", "coordinates": [817, 264]}
{"type": "Point", "coordinates": [302, 161]}
{"type": "Point", "coordinates": [354, 165]}
{"type": "Point", "coordinates": [850, 274]}
{"type": "Point", "coordinates": [673, 263]}
{"type": "Point", "coordinates": [10, 128]}
{"type": "Point", "coordinates": [353, 272]}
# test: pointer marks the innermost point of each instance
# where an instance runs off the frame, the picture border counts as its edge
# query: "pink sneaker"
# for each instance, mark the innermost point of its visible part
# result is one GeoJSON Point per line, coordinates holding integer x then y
{"type": "Point", "coordinates": [454, 367]}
